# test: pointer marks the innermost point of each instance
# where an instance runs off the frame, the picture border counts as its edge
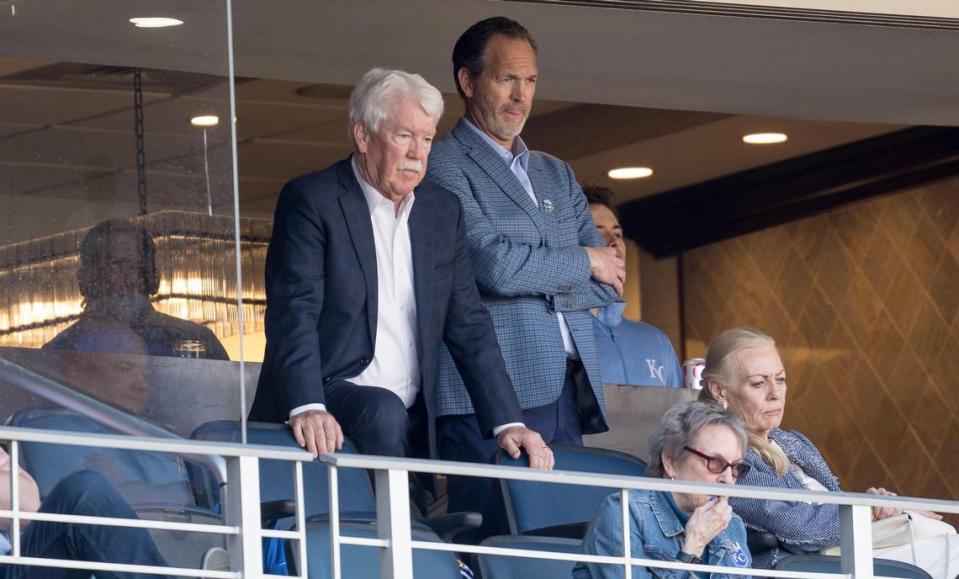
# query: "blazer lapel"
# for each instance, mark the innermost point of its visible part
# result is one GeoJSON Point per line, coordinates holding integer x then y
{"type": "Point", "coordinates": [421, 245]}
{"type": "Point", "coordinates": [491, 163]}
{"type": "Point", "coordinates": [356, 212]}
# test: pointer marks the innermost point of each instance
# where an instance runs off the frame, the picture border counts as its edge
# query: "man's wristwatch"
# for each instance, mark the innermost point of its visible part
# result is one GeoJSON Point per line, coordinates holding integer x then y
{"type": "Point", "coordinates": [684, 557]}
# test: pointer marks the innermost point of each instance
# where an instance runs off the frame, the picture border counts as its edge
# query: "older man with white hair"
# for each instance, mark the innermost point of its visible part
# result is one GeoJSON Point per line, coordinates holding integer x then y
{"type": "Point", "coordinates": [367, 273]}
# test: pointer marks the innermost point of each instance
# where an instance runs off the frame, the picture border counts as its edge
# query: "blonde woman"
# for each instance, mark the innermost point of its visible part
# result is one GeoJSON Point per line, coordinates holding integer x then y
{"type": "Point", "coordinates": [745, 375]}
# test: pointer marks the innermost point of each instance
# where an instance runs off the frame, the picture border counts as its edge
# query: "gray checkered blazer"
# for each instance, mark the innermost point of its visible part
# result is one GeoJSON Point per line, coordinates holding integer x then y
{"type": "Point", "coordinates": [528, 263]}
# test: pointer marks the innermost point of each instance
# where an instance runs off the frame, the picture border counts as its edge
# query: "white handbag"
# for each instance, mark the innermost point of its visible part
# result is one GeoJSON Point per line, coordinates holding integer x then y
{"type": "Point", "coordinates": [907, 528]}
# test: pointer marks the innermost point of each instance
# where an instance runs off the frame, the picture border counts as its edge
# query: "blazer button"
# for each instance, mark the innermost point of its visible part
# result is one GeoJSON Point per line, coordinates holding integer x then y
{"type": "Point", "coordinates": [327, 380]}
{"type": "Point", "coordinates": [364, 361]}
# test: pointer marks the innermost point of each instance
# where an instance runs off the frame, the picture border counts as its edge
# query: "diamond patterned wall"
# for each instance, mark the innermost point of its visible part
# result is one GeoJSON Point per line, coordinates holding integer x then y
{"type": "Point", "coordinates": [863, 303]}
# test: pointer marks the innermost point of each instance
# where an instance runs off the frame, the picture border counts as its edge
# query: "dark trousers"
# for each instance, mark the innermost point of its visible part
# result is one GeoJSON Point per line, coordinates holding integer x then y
{"type": "Point", "coordinates": [377, 422]}
{"type": "Point", "coordinates": [84, 493]}
{"type": "Point", "coordinates": [459, 438]}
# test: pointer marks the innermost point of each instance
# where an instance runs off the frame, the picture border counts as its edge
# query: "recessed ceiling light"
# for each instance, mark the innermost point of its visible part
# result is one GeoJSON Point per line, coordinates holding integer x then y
{"type": "Point", "coordinates": [630, 173]}
{"type": "Point", "coordinates": [155, 22]}
{"type": "Point", "coordinates": [205, 121]}
{"type": "Point", "coordinates": [765, 138]}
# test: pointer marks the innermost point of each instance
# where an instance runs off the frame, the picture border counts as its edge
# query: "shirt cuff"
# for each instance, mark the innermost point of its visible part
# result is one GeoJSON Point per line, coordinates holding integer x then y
{"type": "Point", "coordinates": [498, 429]}
{"type": "Point", "coordinates": [306, 407]}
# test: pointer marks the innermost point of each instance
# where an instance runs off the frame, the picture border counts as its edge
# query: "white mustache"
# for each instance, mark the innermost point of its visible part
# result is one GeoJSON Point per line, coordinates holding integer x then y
{"type": "Point", "coordinates": [411, 166]}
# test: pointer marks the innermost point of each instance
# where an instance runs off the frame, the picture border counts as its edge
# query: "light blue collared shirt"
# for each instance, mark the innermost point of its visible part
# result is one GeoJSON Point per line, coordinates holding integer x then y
{"type": "Point", "coordinates": [517, 159]}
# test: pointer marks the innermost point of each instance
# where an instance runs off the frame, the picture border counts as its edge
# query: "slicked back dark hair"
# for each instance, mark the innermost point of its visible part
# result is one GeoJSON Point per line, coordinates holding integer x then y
{"type": "Point", "coordinates": [471, 45]}
{"type": "Point", "coordinates": [599, 196]}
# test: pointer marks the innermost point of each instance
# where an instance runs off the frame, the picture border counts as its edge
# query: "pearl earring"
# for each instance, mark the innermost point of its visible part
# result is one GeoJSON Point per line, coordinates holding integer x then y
{"type": "Point", "coordinates": [725, 405]}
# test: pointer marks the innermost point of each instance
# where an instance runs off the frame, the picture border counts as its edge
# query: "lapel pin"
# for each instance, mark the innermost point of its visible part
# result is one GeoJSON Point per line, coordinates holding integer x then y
{"type": "Point", "coordinates": [547, 206]}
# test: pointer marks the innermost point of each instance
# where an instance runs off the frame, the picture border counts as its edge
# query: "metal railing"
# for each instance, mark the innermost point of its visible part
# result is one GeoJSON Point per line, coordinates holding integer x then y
{"type": "Point", "coordinates": [241, 504]}
{"type": "Point", "coordinates": [244, 533]}
{"type": "Point", "coordinates": [394, 535]}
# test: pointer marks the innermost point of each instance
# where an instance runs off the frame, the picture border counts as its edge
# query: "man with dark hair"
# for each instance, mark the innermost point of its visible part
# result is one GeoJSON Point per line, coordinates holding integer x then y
{"type": "Point", "coordinates": [630, 352]}
{"type": "Point", "coordinates": [538, 260]}
{"type": "Point", "coordinates": [469, 50]}
{"type": "Point", "coordinates": [116, 277]}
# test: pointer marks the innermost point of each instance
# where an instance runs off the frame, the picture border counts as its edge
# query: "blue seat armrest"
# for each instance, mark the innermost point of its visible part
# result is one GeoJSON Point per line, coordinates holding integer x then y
{"type": "Point", "coordinates": [446, 526]}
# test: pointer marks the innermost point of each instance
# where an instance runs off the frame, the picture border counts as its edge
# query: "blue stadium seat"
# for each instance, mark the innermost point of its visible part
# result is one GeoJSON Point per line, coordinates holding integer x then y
{"type": "Point", "coordinates": [830, 564]}
{"type": "Point", "coordinates": [560, 510]}
{"type": "Point", "coordinates": [276, 477]}
{"type": "Point", "coordinates": [155, 484]}
{"type": "Point", "coordinates": [500, 567]}
{"type": "Point", "coordinates": [142, 478]}
{"type": "Point", "coordinates": [362, 562]}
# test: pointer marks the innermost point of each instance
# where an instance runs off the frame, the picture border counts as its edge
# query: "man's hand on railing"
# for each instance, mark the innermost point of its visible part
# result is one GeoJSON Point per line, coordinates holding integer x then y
{"type": "Point", "coordinates": [517, 438]}
{"type": "Point", "coordinates": [317, 431]}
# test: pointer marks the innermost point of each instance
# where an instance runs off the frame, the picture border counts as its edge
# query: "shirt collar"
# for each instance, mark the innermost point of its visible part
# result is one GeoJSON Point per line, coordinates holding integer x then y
{"type": "Point", "coordinates": [662, 507]}
{"type": "Point", "coordinates": [374, 198]}
{"type": "Point", "coordinates": [683, 517]}
{"type": "Point", "coordinates": [519, 151]}
{"type": "Point", "coordinates": [611, 315]}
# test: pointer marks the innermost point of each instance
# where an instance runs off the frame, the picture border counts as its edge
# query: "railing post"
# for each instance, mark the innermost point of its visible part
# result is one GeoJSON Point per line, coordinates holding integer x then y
{"type": "Point", "coordinates": [627, 547]}
{"type": "Point", "coordinates": [855, 540]}
{"type": "Point", "coordinates": [302, 571]}
{"type": "Point", "coordinates": [243, 511]}
{"type": "Point", "coordinates": [393, 522]}
{"type": "Point", "coordinates": [334, 522]}
{"type": "Point", "coordinates": [15, 497]}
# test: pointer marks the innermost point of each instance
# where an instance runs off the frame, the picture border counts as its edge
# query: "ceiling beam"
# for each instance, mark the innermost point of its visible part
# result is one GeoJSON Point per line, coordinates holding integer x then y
{"type": "Point", "coordinates": [790, 190]}
{"type": "Point", "coordinates": [587, 129]}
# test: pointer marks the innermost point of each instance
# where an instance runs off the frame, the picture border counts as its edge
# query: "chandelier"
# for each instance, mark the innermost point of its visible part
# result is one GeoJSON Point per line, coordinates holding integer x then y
{"type": "Point", "coordinates": [196, 258]}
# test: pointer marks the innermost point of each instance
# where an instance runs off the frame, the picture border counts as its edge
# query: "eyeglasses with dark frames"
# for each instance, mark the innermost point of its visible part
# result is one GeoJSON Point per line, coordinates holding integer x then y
{"type": "Point", "coordinates": [717, 465]}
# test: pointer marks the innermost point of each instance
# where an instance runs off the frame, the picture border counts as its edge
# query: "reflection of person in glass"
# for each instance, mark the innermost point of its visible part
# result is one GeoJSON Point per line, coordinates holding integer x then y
{"type": "Point", "coordinates": [82, 493]}
{"type": "Point", "coordinates": [117, 275]}
{"type": "Point", "coordinates": [121, 380]}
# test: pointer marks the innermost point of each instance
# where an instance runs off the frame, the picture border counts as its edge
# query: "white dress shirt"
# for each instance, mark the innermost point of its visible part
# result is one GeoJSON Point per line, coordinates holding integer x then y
{"type": "Point", "coordinates": [517, 160]}
{"type": "Point", "coordinates": [395, 365]}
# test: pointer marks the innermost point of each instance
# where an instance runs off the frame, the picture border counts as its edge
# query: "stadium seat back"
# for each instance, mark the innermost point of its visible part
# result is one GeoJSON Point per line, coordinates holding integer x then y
{"type": "Point", "coordinates": [362, 561]}
{"type": "Point", "coordinates": [276, 476]}
{"type": "Point", "coordinates": [501, 567]}
{"type": "Point", "coordinates": [141, 477]}
{"type": "Point", "coordinates": [832, 564]}
{"type": "Point", "coordinates": [533, 506]}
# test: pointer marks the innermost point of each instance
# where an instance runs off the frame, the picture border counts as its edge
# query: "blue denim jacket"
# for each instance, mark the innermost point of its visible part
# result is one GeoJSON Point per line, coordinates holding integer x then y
{"type": "Point", "coordinates": [656, 532]}
{"type": "Point", "coordinates": [802, 528]}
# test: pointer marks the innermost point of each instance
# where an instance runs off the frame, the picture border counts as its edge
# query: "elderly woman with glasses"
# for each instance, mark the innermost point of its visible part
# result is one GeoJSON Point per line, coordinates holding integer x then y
{"type": "Point", "coordinates": [694, 442]}
{"type": "Point", "coordinates": [745, 375]}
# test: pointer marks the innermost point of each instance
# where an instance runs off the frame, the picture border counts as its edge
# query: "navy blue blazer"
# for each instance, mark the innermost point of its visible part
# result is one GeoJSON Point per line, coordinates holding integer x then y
{"type": "Point", "coordinates": [322, 299]}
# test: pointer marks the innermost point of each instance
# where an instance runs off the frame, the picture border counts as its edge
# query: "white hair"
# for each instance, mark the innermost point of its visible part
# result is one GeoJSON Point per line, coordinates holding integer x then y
{"type": "Point", "coordinates": [679, 428]}
{"type": "Point", "coordinates": [374, 96]}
